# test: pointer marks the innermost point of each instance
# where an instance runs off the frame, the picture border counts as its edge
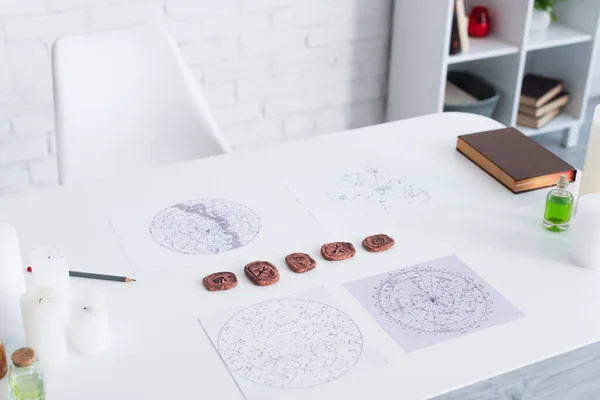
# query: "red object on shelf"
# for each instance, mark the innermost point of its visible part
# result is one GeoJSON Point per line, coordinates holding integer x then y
{"type": "Point", "coordinates": [29, 269]}
{"type": "Point", "coordinates": [479, 22]}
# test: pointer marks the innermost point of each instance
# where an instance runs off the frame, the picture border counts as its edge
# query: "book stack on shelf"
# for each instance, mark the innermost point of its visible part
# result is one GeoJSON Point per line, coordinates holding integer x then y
{"type": "Point", "coordinates": [541, 101]}
{"type": "Point", "coordinates": [459, 37]}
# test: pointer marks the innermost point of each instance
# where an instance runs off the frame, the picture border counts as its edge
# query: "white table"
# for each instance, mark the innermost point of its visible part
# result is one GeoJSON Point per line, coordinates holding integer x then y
{"type": "Point", "coordinates": [159, 350]}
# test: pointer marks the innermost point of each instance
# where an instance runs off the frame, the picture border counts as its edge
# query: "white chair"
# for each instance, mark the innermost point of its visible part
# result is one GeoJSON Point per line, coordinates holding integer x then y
{"type": "Point", "coordinates": [124, 101]}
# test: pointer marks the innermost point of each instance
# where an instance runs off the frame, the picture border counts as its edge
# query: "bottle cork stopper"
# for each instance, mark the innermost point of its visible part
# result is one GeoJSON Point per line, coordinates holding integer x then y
{"type": "Point", "coordinates": [563, 181]}
{"type": "Point", "coordinates": [23, 357]}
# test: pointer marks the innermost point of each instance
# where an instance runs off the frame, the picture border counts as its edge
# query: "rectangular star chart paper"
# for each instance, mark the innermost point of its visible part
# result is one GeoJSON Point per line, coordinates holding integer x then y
{"type": "Point", "coordinates": [432, 302]}
{"type": "Point", "coordinates": [229, 225]}
{"type": "Point", "coordinates": [368, 193]}
{"type": "Point", "coordinates": [298, 347]}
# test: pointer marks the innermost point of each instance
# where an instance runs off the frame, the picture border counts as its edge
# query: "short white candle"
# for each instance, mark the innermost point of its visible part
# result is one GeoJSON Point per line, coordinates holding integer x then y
{"type": "Point", "coordinates": [50, 269]}
{"type": "Point", "coordinates": [90, 334]}
{"type": "Point", "coordinates": [44, 322]}
{"type": "Point", "coordinates": [12, 287]}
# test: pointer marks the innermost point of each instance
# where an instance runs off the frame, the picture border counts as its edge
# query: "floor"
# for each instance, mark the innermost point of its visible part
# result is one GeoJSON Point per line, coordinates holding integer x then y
{"type": "Point", "coordinates": [576, 155]}
{"type": "Point", "coordinates": [570, 376]}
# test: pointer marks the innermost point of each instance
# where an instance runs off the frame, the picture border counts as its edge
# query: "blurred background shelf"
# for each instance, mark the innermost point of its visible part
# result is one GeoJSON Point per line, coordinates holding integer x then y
{"type": "Point", "coordinates": [483, 48]}
{"type": "Point", "coordinates": [556, 35]}
{"type": "Point", "coordinates": [563, 121]}
{"type": "Point", "coordinates": [420, 59]}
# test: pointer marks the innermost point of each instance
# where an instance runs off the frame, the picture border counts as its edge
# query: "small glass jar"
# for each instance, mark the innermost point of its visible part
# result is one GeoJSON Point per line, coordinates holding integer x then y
{"type": "Point", "coordinates": [3, 361]}
{"type": "Point", "coordinates": [25, 378]}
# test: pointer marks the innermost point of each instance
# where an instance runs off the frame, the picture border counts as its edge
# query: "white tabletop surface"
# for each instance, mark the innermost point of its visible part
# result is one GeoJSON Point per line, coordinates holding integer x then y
{"type": "Point", "coordinates": [159, 350]}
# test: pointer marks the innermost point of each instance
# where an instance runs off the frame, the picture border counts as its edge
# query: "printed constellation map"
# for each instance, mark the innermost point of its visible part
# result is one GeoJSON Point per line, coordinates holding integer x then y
{"type": "Point", "coordinates": [206, 226]}
{"type": "Point", "coordinates": [290, 343]}
{"type": "Point", "coordinates": [433, 301]}
{"type": "Point", "coordinates": [373, 187]}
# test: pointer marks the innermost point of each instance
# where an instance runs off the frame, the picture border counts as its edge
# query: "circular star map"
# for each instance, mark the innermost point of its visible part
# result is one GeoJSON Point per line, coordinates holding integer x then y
{"type": "Point", "coordinates": [290, 343]}
{"type": "Point", "coordinates": [433, 301]}
{"type": "Point", "coordinates": [206, 226]}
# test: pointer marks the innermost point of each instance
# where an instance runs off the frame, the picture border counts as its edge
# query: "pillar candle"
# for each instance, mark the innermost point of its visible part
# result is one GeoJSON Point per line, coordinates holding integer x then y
{"type": "Point", "coordinates": [12, 287]}
{"type": "Point", "coordinates": [585, 231]}
{"type": "Point", "coordinates": [90, 333]}
{"type": "Point", "coordinates": [43, 318]}
{"type": "Point", "coordinates": [50, 269]}
{"type": "Point", "coordinates": [590, 179]}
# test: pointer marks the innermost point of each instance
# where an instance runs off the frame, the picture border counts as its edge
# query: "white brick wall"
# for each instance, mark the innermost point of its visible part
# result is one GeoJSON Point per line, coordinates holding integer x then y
{"type": "Point", "coordinates": [271, 70]}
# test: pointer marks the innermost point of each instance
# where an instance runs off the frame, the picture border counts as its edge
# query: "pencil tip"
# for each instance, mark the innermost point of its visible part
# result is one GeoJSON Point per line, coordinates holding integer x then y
{"type": "Point", "coordinates": [129, 280]}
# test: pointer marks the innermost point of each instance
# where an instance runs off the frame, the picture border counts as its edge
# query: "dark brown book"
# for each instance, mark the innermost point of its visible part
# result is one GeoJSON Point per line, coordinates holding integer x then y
{"type": "Point", "coordinates": [557, 102]}
{"type": "Point", "coordinates": [538, 90]}
{"type": "Point", "coordinates": [537, 122]}
{"type": "Point", "coordinates": [455, 46]}
{"type": "Point", "coordinates": [515, 160]}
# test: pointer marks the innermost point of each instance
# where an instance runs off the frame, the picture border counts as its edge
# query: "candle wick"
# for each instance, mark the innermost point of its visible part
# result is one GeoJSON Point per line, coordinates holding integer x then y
{"type": "Point", "coordinates": [40, 300]}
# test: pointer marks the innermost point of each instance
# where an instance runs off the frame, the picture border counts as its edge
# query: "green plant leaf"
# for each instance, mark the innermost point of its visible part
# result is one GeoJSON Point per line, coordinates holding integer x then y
{"type": "Point", "coordinates": [547, 6]}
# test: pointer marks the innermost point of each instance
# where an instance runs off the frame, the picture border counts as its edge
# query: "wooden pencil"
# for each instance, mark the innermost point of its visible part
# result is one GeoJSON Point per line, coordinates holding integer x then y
{"type": "Point", "coordinates": [102, 277]}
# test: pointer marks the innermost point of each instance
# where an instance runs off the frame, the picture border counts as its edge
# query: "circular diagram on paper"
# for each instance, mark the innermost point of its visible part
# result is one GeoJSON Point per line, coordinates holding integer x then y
{"type": "Point", "coordinates": [206, 226]}
{"type": "Point", "coordinates": [373, 187]}
{"type": "Point", "coordinates": [290, 343]}
{"type": "Point", "coordinates": [433, 301]}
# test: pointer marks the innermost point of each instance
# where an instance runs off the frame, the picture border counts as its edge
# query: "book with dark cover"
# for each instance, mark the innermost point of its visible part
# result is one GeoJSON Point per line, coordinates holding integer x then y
{"type": "Point", "coordinates": [537, 90]}
{"type": "Point", "coordinates": [515, 160]}
{"type": "Point", "coordinates": [537, 122]}
{"type": "Point", "coordinates": [557, 102]}
{"type": "Point", "coordinates": [455, 46]}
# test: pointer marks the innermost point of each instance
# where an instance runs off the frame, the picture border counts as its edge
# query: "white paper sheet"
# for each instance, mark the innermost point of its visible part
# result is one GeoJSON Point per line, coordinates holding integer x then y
{"type": "Point", "coordinates": [369, 194]}
{"type": "Point", "coordinates": [220, 225]}
{"type": "Point", "coordinates": [302, 346]}
{"type": "Point", "coordinates": [432, 302]}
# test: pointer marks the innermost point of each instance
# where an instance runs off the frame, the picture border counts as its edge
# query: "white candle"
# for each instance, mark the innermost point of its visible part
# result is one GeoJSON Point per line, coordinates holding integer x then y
{"type": "Point", "coordinates": [43, 318]}
{"type": "Point", "coordinates": [50, 269]}
{"type": "Point", "coordinates": [12, 287]}
{"type": "Point", "coordinates": [585, 229]}
{"type": "Point", "coordinates": [590, 179]}
{"type": "Point", "coordinates": [90, 334]}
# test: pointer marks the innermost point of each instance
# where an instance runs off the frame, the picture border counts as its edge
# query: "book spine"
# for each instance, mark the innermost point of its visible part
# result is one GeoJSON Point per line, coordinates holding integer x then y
{"type": "Point", "coordinates": [455, 46]}
{"type": "Point", "coordinates": [463, 25]}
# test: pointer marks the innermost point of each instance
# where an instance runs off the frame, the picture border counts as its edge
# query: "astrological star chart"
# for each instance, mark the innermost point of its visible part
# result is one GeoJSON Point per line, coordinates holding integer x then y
{"type": "Point", "coordinates": [290, 343]}
{"type": "Point", "coordinates": [432, 302]}
{"type": "Point", "coordinates": [374, 187]}
{"type": "Point", "coordinates": [205, 226]}
{"type": "Point", "coordinates": [298, 347]}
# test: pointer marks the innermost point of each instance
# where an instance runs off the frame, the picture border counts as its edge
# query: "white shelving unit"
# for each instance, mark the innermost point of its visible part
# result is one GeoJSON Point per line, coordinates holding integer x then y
{"type": "Point", "coordinates": [420, 60]}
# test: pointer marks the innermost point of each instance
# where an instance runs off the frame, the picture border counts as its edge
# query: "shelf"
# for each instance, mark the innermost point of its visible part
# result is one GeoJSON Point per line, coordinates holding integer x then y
{"type": "Point", "coordinates": [556, 35]}
{"type": "Point", "coordinates": [483, 48]}
{"type": "Point", "coordinates": [561, 122]}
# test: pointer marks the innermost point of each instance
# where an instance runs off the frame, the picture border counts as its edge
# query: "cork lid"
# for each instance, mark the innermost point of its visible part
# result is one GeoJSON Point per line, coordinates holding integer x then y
{"type": "Point", "coordinates": [23, 357]}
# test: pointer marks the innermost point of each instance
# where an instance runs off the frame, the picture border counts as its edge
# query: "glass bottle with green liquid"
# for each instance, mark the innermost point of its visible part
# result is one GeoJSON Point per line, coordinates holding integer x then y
{"type": "Point", "coordinates": [559, 206]}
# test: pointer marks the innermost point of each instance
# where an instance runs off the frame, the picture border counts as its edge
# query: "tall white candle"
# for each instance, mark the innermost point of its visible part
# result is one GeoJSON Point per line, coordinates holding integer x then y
{"type": "Point", "coordinates": [43, 318]}
{"type": "Point", "coordinates": [50, 269]}
{"type": "Point", "coordinates": [585, 229]}
{"type": "Point", "coordinates": [590, 179]}
{"type": "Point", "coordinates": [12, 287]}
{"type": "Point", "coordinates": [90, 334]}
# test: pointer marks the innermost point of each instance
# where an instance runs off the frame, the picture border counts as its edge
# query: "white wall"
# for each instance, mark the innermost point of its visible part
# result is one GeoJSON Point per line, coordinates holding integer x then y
{"type": "Point", "coordinates": [595, 87]}
{"type": "Point", "coordinates": [272, 70]}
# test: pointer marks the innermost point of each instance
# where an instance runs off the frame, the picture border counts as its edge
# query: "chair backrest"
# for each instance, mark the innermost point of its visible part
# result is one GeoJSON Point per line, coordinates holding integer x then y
{"type": "Point", "coordinates": [125, 100]}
